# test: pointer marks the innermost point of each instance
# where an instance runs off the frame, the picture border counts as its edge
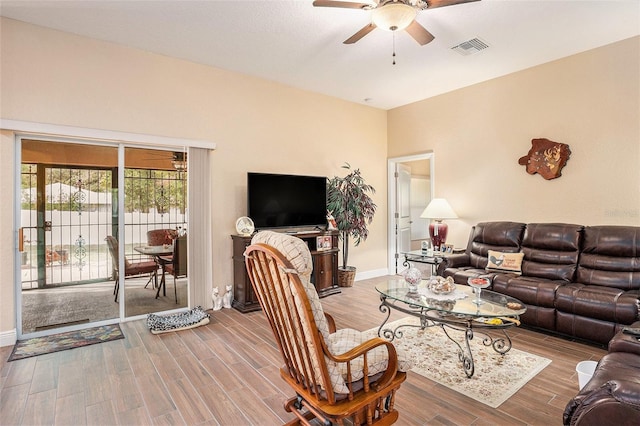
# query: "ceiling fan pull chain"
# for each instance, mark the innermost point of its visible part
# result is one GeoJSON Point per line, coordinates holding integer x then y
{"type": "Point", "coordinates": [394, 47]}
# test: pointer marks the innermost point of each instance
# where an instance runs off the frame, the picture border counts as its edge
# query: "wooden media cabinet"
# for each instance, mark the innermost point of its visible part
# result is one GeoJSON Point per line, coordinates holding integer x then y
{"type": "Point", "coordinates": [324, 275]}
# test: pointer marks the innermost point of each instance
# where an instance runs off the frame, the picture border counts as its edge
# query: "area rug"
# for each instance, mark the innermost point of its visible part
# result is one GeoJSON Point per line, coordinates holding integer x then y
{"type": "Point", "coordinates": [63, 341]}
{"type": "Point", "coordinates": [496, 377]}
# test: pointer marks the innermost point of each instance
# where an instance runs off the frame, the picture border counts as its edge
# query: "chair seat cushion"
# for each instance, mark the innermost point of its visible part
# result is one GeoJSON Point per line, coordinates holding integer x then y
{"type": "Point", "coordinates": [344, 340]}
{"type": "Point", "coordinates": [141, 268]}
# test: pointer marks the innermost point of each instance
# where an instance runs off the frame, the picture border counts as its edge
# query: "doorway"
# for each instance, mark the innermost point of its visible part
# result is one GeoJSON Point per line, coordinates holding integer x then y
{"type": "Point", "coordinates": [69, 207]}
{"type": "Point", "coordinates": [410, 188]}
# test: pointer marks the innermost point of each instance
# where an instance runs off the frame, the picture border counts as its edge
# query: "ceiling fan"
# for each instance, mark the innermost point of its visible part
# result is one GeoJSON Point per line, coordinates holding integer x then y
{"type": "Point", "coordinates": [393, 15]}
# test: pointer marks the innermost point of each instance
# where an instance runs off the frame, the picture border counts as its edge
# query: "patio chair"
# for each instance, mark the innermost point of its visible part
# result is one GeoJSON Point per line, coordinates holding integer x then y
{"type": "Point", "coordinates": [336, 375]}
{"type": "Point", "coordinates": [175, 265]}
{"type": "Point", "coordinates": [131, 268]}
{"type": "Point", "coordinates": [158, 237]}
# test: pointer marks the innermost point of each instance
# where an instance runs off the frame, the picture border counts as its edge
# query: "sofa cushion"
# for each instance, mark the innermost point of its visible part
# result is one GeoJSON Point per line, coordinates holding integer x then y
{"type": "Point", "coordinates": [529, 290]}
{"type": "Point", "coordinates": [610, 257]}
{"type": "Point", "coordinates": [499, 236]}
{"type": "Point", "coordinates": [599, 302]}
{"type": "Point", "coordinates": [551, 250]}
{"type": "Point", "coordinates": [538, 294]}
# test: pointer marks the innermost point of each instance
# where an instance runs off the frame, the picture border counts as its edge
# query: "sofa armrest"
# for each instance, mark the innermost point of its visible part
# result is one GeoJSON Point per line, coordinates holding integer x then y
{"type": "Point", "coordinates": [453, 261]}
{"type": "Point", "coordinates": [615, 402]}
{"type": "Point", "coordinates": [623, 342]}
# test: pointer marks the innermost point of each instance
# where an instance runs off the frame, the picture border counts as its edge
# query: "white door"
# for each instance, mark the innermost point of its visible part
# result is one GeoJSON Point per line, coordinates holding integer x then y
{"type": "Point", "coordinates": [403, 213]}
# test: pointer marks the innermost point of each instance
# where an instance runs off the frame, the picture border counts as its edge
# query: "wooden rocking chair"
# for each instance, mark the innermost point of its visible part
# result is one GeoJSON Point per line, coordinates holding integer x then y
{"type": "Point", "coordinates": [337, 375]}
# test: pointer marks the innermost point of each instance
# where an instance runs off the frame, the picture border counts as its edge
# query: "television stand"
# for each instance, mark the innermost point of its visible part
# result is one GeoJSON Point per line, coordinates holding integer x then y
{"type": "Point", "coordinates": [323, 246]}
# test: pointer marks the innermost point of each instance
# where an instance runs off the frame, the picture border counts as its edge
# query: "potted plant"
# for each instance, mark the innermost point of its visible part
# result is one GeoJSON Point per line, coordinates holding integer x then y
{"type": "Point", "coordinates": [349, 202]}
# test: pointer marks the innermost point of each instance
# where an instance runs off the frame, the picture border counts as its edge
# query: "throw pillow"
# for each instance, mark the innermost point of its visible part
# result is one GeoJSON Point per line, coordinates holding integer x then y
{"type": "Point", "coordinates": [499, 261]}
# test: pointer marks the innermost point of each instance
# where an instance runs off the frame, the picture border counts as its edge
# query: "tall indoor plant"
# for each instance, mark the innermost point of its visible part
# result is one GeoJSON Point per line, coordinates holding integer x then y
{"type": "Point", "coordinates": [349, 202]}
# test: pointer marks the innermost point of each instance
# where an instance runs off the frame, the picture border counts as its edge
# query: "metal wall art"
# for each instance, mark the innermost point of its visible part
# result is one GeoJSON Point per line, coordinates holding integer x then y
{"type": "Point", "coordinates": [546, 158]}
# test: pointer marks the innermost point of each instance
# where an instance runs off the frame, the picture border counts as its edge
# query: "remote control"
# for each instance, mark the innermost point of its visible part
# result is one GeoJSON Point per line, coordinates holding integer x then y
{"type": "Point", "coordinates": [632, 331]}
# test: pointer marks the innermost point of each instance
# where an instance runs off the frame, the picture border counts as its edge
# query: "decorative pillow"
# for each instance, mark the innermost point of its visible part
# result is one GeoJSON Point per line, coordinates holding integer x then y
{"type": "Point", "coordinates": [499, 261]}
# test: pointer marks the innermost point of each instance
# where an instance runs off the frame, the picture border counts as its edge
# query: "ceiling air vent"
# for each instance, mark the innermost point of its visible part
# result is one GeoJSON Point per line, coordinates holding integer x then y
{"type": "Point", "coordinates": [469, 47]}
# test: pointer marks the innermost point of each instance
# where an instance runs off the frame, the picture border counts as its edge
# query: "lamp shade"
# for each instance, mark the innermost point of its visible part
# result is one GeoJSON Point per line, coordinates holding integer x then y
{"type": "Point", "coordinates": [439, 209]}
{"type": "Point", "coordinates": [393, 16]}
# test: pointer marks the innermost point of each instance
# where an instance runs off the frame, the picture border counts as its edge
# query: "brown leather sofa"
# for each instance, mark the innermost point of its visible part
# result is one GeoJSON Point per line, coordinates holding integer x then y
{"type": "Point", "coordinates": [612, 396]}
{"type": "Point", "coordinates": [578, 281]}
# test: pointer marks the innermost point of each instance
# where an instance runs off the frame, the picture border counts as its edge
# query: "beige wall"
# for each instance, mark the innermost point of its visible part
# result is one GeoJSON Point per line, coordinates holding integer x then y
{"type": "Point", "coordinates": [590, 101]}
{"type": "Point", "coordinates": [59, 78]}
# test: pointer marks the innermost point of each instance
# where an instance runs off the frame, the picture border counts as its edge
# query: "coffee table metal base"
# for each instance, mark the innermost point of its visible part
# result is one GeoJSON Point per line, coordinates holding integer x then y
{"type": "Point", "coordinates": [466, 324]}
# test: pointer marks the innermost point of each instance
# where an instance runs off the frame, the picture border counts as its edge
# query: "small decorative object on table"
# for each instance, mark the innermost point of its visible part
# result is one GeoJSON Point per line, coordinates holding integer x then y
{"type": "Point", "coordinates": [245, 226]}
{"type": "Point", "coordinates": [478, 284]}
{"type": "Point", "coordinates": [323, 242]}
{"type": "Point", "coordinates": [413, 276]}
{"type": "Point", "coordinates": [331, 222]}
{"type": "Point", "coordinates": [514, 305]}
{"type": "Point", "coordinates": [441, 285]}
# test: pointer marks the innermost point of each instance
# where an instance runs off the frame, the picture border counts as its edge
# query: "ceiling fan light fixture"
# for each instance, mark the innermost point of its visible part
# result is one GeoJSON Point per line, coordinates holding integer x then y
{"type": "Point", "coordinates": [179, 161]}
{"type": "Point", "coordinates": [393, 16]}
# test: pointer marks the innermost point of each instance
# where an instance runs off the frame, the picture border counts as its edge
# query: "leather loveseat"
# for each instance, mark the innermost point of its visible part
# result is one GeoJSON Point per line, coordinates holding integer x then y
{"type": "Point", "coordinates": [612, 396]}
{"type": "Point", "coordinates": [578, 281]}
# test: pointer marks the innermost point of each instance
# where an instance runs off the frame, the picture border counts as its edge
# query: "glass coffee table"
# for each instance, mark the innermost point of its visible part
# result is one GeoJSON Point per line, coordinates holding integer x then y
{"type": "Point", "coordinates": [490, 314]}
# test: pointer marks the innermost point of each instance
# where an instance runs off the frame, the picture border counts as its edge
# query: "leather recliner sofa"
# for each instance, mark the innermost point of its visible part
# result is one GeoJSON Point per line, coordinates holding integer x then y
{"type": "Point", "coordinates": [612, 395]}
{"type": "Point", "coordinates": [578, 281]}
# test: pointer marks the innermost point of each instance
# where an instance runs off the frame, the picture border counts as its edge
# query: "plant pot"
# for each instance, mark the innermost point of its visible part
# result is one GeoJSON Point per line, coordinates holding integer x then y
{"type": "Point", "coordinates": [346, 276]}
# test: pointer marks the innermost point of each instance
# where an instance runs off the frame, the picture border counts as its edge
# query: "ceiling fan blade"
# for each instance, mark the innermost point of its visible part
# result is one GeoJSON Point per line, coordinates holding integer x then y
{"type": "Point", "coordinates": [442, 3]}
{"type": "Point", "coordinates": [343, 4]}
{"type": "Point", "coordinates": [419, 33]}
{"type": "Point", "coordinates": [363, 32]}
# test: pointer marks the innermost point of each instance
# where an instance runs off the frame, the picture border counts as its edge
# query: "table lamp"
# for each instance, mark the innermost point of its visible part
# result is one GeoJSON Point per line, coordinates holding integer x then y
{"type": "Point", "coordinates": [438, 209]}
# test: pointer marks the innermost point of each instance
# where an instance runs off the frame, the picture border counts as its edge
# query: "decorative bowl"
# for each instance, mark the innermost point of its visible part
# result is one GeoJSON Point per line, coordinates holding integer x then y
{"type": "Point", "coordinates": [413, 276]}
{"type": "Point", "coordinates": [479, 282]}
{"type": "Point", "coordinates": [441, 285]}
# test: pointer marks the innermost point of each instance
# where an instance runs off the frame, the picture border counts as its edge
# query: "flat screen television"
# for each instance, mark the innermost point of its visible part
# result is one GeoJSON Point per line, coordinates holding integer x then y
{"type": "Point", "coordinates": [281, 201]}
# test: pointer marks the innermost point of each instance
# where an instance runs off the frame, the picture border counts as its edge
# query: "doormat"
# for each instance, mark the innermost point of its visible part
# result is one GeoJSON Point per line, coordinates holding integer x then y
{"type": "Point", "coordinates": [435, 357]}
{"type": "Point", "coordinates": [63, 341]}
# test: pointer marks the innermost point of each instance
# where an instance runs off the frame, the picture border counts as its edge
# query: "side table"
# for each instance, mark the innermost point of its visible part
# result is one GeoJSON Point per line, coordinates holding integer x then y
{"type": "Point", "coordinates": [434, 259]}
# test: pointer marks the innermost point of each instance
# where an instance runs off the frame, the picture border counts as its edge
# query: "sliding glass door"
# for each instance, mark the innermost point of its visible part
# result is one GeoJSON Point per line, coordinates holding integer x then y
{"type": "Point", "coordinates": [155, 186]}
{"type": "Point", "coordinates": [67, 203]}
{"type": "Point", "coordinates": [74, 270]}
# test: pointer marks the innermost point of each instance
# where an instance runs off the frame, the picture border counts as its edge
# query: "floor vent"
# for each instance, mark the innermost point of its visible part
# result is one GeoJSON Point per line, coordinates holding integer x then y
{"type": "Point", "coordinates": [470, 47]}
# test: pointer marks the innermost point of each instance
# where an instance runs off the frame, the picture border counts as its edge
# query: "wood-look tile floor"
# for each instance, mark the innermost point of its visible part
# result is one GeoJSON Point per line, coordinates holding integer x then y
{"type": "Point", "coordinates": [226, 373]}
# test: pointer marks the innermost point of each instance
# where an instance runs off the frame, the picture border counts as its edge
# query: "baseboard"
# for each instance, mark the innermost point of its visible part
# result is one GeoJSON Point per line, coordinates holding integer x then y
{"type": "Point", "coordinates": [371, 274]}
{"type": "Point", "coordinates": [8, 338]}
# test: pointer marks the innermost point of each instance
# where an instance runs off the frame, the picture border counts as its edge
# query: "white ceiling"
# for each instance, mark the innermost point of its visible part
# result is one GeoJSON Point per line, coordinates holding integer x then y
{"type": "Point", "coordinates": [299, 45]}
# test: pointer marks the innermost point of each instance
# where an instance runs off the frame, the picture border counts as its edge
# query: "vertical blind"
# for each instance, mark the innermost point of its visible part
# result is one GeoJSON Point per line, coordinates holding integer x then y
{"type": "Point", "coordinates": [199, 214]}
